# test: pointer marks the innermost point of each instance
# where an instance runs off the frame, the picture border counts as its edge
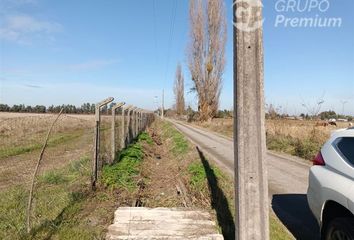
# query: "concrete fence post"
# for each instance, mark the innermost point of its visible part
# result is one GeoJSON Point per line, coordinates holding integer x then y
{"type": "Point", "coordinates": [121, 144]}
{"type": "Point", "coordinates": [136, 122]}
{"type": "Point", "coordinates": [123, 132]}
{"type": "Point", "coordinates": [127, 128]}
{"type": "Point", "coordinates": [95, 160]}
{"type": "Point", "coordinates": [113, 130]}
{"type": "Point", "coordinates": [140, 114]}
{"type": "Point", "coordinates": [143, 121]}
{"type": "Point", "coordinates": [132, 125]}
{"type": "Point", "coordinates": [140, 120]}
{"type": "Point", "coordinates": [251, 182]}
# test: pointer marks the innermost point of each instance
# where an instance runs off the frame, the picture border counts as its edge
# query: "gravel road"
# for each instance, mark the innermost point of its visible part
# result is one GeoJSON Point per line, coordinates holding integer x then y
{"type": "Point", "coordinates": [288, 179]}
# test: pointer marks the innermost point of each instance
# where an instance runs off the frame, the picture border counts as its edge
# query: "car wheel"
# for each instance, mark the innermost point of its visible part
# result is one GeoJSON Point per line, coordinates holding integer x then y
{"type": "Point", "coordinates": [340, 229]}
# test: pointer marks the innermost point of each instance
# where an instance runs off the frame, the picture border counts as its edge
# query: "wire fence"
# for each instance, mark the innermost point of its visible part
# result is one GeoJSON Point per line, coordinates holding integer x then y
{"type": "Point", "coordinates": [70, 166]}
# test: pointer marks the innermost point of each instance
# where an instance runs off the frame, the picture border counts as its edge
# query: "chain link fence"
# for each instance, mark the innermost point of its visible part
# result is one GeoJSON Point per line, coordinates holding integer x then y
{"type": "Point", "coordinates": [68, 169]}
{"type": "Point", "coordinates": [64, 169]}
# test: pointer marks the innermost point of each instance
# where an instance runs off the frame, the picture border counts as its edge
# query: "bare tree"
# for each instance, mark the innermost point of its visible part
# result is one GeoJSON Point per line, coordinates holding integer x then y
{"type": "Point", "coordinates": [179, 90]}
{"type": "Point", "coordinates": [206, 53]}
{"type": "Point", "coordinates": [314, 108]}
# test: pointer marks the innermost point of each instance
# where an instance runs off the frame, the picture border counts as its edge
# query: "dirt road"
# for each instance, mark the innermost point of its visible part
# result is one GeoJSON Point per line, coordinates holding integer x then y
{"type": "Point", "coordinates": [288, 180]}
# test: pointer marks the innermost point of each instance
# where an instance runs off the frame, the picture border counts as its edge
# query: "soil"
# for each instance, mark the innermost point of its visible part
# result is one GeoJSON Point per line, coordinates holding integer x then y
{"type": "Point", "coordinates": [162, 179]}
{"type": "Point", "coordinates": [17, 170]}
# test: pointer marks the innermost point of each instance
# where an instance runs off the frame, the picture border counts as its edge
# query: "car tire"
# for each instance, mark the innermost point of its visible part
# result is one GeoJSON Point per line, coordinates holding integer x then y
{"type": "Point", "coordinates": [340, 229]}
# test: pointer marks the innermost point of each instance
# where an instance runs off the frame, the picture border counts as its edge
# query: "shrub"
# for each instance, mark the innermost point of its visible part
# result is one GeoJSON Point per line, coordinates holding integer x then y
{"type": "Point", "coordinates": [306, 148]}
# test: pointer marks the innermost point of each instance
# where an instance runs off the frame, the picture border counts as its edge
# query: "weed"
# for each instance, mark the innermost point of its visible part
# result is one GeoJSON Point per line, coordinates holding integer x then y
{"type": "Point", "coordinates": [145, 137]}
{"type": "Point", "coordinates": [181, 144]}
{"type": "Point", "coordinates": [307, 148]}
{"type": "Point", "coordinates": [298, 138]}
{"type": "Point", "coordinates": [80, 167]}
{"type": "Point", "coordinates": [277, 231]}
{"type": "Point", "coordinates": [123, 173]}
{"type": "Point", "coordinates": [54, 141]}
{"type": "Point", "coordinates": [53, 177]}
{"type": "Point", "coordinates": [53, 195]}
{"type": "Point", "coordinates": [133, 152]}
{"type": "Point", "coordinates": [12, 213]}
{"type": "Point", "coordinates": [284, 144]}
{"type": "Point", "coordinates": [198, 176]}
{"type": "Point", "coordinates": [14, 151]}
{"type": "Point", "coordinates": [304, 148]}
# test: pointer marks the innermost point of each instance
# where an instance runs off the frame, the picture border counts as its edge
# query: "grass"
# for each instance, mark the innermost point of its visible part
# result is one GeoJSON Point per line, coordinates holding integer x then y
{"type": "Point", "coordinates": [53, 177]}
{"type": "Point", "coordinates": [277, 231]}
{"type": "Point", "coordinates": [180, 143]}
{"type": "Point", "coordinates": [298, 138]}
{"type": "Point", "coordinates": [211, 188]}
{"type": "Point", "coordinates": [198, 176]}
{"type": "Point", "coordinates": [125, 171]}
{"type": "Point", "coordinates": [56, 193]}
{"type": "Point", "coordinates": [146, 137]}
{"type": "Point", "coordinates": [70, 173]}
{"type": "Point", "coordinates": [52, 142]}
{"type": "Point", "coordinates": [223, 198]}
{"type": "Point", "coordinates": [63, 206]}
{"type": "Point", "coordinates": [305, 148]}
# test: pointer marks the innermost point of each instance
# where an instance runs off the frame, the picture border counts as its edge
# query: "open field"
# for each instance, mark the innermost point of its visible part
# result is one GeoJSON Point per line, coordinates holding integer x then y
{"type": "Point", "coordinates": [298, 138]}
{"type": "Point", "coordinates": [22, 137]}
{"type": "Point", "coordinates": [64, 206]}
{"type": "Point", "coordinates": [160, 169]}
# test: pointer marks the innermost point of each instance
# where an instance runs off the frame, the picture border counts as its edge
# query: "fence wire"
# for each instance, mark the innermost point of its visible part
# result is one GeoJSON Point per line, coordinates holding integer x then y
{"type": "Point", "coordinates": [64, 173]}
{"type": "Point", "coordinates": [66, 170]}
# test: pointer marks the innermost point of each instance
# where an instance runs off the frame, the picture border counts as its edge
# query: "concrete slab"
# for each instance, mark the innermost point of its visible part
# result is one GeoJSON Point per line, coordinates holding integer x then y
{"type": "Point", "coordinates": [162, 223]}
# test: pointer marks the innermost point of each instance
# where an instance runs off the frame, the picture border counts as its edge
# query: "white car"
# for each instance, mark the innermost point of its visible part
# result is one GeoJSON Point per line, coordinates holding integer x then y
{"type": "Point", "coordinates": [331, 187]}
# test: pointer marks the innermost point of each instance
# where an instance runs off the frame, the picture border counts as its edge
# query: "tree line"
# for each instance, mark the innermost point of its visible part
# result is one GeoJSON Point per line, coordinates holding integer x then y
{"type": "Point", "coordinates": [85, 108]}
{"type": "Point", "coordinates": [205, 58]}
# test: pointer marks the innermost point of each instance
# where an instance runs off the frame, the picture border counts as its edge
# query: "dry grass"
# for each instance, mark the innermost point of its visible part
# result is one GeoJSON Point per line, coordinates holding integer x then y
{"type": "Point", "coordinates": [64, 207]}
{"type": "Point", "coordinates": [173, 158]}
{"type": "Point", "coordinates": [299, 138]}
{"type": "Point", "coordinates": [22, 136]}
{"type": "Point", "coordinates": [219, 125]}
{"type": "Point", "coordinates": [17, 129]}
{"type": "Point", "coordinates": [300, 129]}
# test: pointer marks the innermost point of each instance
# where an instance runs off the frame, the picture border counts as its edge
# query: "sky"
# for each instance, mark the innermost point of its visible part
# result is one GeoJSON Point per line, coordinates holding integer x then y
{"type": "Point", "coordinates": [71, 52]}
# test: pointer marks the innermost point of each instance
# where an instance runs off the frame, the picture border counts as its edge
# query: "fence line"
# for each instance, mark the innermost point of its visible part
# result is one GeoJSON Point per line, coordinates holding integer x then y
{"type": "Point", "coordinates": [131, 125]}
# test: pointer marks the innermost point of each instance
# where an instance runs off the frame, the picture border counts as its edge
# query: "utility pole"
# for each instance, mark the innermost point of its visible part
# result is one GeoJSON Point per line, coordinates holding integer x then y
{"type": "Point", "coordinates": [343, 104]}
{"type": "Point", "coordinates": [163, 104]}
{"type": "Point", "coordinates": [251, 182]}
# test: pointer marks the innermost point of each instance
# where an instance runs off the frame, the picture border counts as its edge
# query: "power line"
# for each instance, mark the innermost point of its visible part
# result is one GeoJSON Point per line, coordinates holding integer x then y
{"type": "Point", "coordinates": [172, 26]}
{"type": "Point", "coordinates": [154, 23]}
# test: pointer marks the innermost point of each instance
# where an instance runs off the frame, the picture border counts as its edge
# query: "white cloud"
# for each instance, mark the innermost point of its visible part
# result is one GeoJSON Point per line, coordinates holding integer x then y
{"type": "Point", "coordinates": [22, 28]}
